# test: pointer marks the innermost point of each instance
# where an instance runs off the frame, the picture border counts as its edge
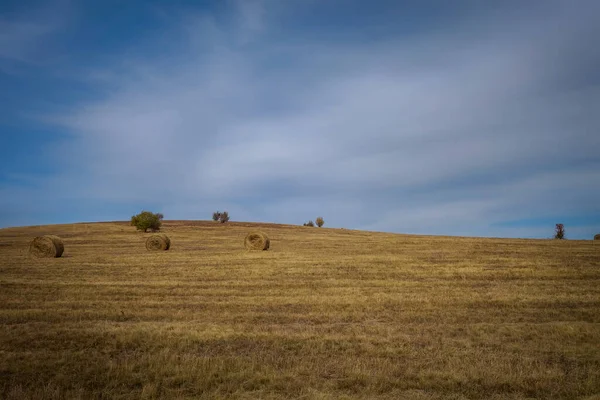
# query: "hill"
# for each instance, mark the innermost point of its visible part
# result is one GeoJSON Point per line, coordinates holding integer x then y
{"type": "Point", "coordinates": [324, 314]}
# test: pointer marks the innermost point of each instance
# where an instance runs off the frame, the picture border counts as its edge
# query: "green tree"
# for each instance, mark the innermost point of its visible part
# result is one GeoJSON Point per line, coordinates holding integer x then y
{"type": "Point", "coordinates": [147, 220]}
{"type": "Point", "coordinates": [320, 221]}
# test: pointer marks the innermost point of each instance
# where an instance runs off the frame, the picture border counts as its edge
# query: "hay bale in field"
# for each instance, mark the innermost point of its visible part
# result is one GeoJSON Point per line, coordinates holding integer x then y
{"type": "Point", "coordinates": [597, 236]}
{"type": "Point", "coordinates": [46, 246]}
{"type": "Point", "coordinates": [257, 241]}
{"type": "Point", "coordinates": [158, 241]}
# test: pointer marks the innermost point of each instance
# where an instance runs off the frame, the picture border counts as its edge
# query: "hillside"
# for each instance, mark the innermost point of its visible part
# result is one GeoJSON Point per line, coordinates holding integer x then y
{"type": "Point", "coordinates": [324, 314]}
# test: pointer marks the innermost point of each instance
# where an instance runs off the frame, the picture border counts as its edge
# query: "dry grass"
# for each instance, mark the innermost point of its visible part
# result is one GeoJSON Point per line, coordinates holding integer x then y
{"type": "Point", "coordinates": [325, 314]}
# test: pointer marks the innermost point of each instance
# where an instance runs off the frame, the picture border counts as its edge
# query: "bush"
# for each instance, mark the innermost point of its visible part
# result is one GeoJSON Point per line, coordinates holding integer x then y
{"type": "Point", "coordinates": [147, 220]}
{"type": "Point", "coordinates": [224, 217]}
{"type": "Point", "coordinates": [221, 217]}
{"type": "Point", "coordinates": [597, 236]}
{"type": "Point", "coordinates": [559, 231]}
{"type": "Point", "coordinates": [320, 221]}
{"type": "Point", "coordinates": [309, 223]}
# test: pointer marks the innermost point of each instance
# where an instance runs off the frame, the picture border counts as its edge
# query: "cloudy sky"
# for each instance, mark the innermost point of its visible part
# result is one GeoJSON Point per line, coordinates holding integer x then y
{"type": "Point", "coordinates": [478, 118]}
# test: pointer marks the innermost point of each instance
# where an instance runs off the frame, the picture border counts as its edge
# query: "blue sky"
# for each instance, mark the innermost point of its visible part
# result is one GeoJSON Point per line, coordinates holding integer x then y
{"type": "Point", "coordinates": [430, 117]}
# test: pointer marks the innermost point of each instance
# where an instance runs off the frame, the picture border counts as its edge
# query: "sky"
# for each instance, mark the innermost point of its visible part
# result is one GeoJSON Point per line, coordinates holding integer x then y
{"type": "Point", "coordinates": [465, 117]}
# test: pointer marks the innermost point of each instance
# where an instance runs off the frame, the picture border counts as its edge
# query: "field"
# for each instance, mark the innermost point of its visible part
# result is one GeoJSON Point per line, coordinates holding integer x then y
{"type": "Point", "coordinates": [324, 314]}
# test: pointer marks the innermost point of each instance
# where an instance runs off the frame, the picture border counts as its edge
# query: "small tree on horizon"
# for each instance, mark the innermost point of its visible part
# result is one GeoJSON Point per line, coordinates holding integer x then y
{"type": "Point", "coordinates": [224, 217]}
{"type": "Point", "coordinates": [309, 223]}
{"type": "Point", "coordinates": [147, 220]}
{"type": "Point", "coordinates": [216, 216]}
{"type": "Point", "coordinates": [559, 231]}
{"type": "Point", "coordinates": [320, 221]}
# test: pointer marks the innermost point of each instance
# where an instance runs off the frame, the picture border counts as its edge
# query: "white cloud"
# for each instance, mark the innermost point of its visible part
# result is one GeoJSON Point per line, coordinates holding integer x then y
{"type": "Point", "coordinates": [351, 123]}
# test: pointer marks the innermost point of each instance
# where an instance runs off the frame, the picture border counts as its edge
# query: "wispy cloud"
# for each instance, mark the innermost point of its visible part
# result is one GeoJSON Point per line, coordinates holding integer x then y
{"type": "Point", "coordinates": [18, 39]}
{"type": "Point", "coordinates": [26, 32]}
{"type": "Point", "coordinates": [250, 18]}
{"type": "Point", "coordinates": [441, 132]}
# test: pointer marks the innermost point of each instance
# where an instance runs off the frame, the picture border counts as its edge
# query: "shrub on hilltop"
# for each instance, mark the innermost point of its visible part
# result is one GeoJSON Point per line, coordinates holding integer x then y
{"type": "Point", "coordinates": [221, 217]}
{"type": "Point", "coordinates": [147, 220]}
{"type": "Point", "coordinates": [224, 217]}
{"type": "Point", "coordinates": [559, 231]}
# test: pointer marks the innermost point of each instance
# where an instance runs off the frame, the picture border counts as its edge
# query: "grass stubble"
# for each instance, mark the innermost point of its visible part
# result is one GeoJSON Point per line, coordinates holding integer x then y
{"type": "Point", "coordinates": [324, 314]}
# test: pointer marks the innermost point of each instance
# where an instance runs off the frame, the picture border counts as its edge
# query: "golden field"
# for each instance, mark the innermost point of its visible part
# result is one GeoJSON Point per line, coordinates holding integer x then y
{"type": "Point", "coordinates": [324, 314]}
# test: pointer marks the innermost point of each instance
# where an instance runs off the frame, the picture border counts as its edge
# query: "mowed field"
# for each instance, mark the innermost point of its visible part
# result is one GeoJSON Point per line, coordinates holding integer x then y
{"type": "Point", "coordinates": [324, 314]}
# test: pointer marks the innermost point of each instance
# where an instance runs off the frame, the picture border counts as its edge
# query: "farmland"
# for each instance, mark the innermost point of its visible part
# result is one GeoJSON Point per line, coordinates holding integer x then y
{"type": "Point", "coordinates": [323, 314]}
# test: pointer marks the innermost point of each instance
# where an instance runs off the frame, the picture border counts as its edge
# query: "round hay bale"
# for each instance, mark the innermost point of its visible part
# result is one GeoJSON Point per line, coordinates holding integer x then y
{"type": "Point", "coordinates": [257, 241]}
{"type": "Point", "coordinates": [597, 236]}
{"type": "Point", "coordinates": [46, 246]}
{"type": "Point", "coordinates": [158, 241]}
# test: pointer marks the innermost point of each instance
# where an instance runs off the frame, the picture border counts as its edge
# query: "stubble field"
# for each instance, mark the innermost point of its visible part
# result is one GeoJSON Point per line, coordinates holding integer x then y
{"type": "Point", "coordinates": [324, 314]}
